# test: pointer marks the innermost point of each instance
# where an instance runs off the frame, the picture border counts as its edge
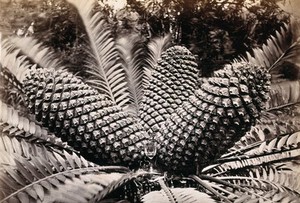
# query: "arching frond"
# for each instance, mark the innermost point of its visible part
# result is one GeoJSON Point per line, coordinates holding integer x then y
{"type": "Point", "coordinates": [282, 47]}
{"type": "Point", "coordinates": [178, 195]}
{"type": "Point", "coordinates": [107, 74]}
{"type": "Point", "coordinates": [33, 173]}
{"type": "Point", "coordinates": [280, 54]}
{"type": "Point", "coordinates": [16, 63]}
{"type": "Point", "coordinates": [37, 52]}
{"type": "Point", "coordinates": [249, 188]}
{"type": "Point", "coordinates": [266, 129]}
{"type": "Point", "coordinates": [280, 175]}
{"type": "Point", "coordinates": [131, 51]}
{"type": "Point", "coordinates": [14, 124]}
{"type": "Point", "coordinates": [281, 149]}
{"type": "Point", "coordinates": [11, 90]}
{"type": "Point", "coordinates": [209, 188]}
{"type": "Point", "coordinates": [155, 48]}
{"type": "Point", "coordinates": [283, 94]}
{"type": "Point", "coordinates": [113, 186]}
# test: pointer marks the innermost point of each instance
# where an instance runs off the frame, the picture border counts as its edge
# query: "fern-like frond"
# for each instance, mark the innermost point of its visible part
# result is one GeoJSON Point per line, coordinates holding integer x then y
{"type": "Point", "coordinates": [277, 150]}
{"type": "Point", "coordinates": [266, 129]}
{"type": "Point", "coordinates": [178, 195]}
{"type": "Point", "coordinates": [272, 196]}
{"type": "Point", "coordinates": [280, 48]}
{"type": "Point", "coordinates": [107, 74]}
{"type": "Point", "coordinates": [37, 52]}
{"type": "Point", "coordinates": [11, 90]}
{"type": "Point", "coordinates": [284, 94]}
{"type": "Point", "coordinates": [208, 187]}
{"type": "Point", "coordinates": [16, 63]}
{"type": "Point", "coordinates": [24, 144]}
{"type": "Point", "coordinates": [113, 186]}
{"type": "Point", "coordinates": [280, 54]}
{"type": "Point", "coordinates": [280, 175]}
{"type": "Point", "coordinates": [155, 48]}
{"type": "Point", "coordinates": [132, 55]}
{"type": "Point", "coordinates": [249, 188]}
{"type": "Point", "coordinates": [85, 188]}
{"type": "Point", "coordinates": [259, 186]}
{"type": "Point", "coordinates": [9, 79]}
{"type": "Point", "coordinates": [15, 124]}
{"type": "Point", "coordinates": [32, 173]}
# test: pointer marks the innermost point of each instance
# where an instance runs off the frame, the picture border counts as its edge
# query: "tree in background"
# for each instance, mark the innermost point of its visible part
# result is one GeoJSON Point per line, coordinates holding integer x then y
{"type": "Point", "coordinates": [216, 31]}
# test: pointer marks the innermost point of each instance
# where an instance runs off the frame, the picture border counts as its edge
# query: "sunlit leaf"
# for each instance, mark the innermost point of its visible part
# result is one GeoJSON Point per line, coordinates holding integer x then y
{"type": "Point", "coordinates": [103, 62]}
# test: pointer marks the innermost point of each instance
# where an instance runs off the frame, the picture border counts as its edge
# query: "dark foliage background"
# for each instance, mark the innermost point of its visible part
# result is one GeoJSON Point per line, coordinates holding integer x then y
{"type": "Point", "coordinates": [216, 31]}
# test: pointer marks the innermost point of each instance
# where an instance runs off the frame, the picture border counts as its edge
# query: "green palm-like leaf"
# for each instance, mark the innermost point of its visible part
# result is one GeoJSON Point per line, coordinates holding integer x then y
{"type": "Point", "coordinates": [132, 54]}
{"type": "Point", "coordinates": [14, 68]}
{"type": "Point", "coordinates": [259, 189]}
{"type": "Point", "coordinates": [281, 176]}
{"type": "Point", "coordinates": [106, 71]}
{"type": "Point", "coordinates": [268, 127]}
{"type": "Point", "coordinates": [34, 169]}
{"type": "Point", "coordinates": [113, 186]}
{"type": "Point", "coordinates": [11, 90]}
{"type": "Point", "coordinates": [280, 54]}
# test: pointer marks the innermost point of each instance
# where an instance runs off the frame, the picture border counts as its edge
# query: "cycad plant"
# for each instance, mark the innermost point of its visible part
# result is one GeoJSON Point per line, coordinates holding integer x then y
{"type": "Point", "coordinates": [72, 138]}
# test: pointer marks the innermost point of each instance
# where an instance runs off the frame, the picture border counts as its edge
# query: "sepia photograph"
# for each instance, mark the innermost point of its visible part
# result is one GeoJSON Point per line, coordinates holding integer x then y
{"type": "Point", "coordinates": [150, 101]}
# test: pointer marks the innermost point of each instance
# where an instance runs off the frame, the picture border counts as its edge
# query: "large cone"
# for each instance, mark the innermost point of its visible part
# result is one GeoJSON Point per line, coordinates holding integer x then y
{"type": "Point", "coordinates": [220, 112]}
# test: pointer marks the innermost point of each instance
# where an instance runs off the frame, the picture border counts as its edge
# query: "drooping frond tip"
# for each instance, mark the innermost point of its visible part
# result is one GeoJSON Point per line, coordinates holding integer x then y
{"type": "Point", "coordinates": [131, 51]}
{"type": "Point", "coordinates": [16, 63]}
{"type": "Point", "coordinates": [155, 48]}
{"type": "Point", "coordinates": [103, 64]}
{"type": "Point", "coordinates": [280, 53]}
{"type": "Point", "coordinates": [33, 173]}
{"type": "Point", "coordinates": [280, 149]}
{"type": "Point", "coordinates": [21, 126]}
{"type": "Point", "coordinates": [183, 195]}
{"type": "Point", "coordinates": [37, 53]}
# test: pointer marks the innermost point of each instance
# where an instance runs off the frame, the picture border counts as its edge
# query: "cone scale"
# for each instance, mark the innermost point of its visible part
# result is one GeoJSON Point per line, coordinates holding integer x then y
{"type": "Point", "coordinates": [172, 81]}
{"type": "Point", "coordinates": [220, 112]}
{"type": "Point", "coordinates": [89, 122]}
{"type": "Point", "coordinates": [193, 127]}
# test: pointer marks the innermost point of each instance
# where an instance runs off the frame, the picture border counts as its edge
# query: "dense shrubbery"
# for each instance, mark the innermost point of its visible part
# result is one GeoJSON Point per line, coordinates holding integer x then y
{"type": "Point", "coordinates": [215, 31]}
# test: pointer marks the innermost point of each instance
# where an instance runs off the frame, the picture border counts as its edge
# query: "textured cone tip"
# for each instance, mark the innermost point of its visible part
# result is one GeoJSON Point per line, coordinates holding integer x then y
{"type": "Point", "coordinates": [256, 78]}
{"type": "Point", "coordinates": [79, 115]}
{"type": "Point", "coordinates": [220, 112]}
{"type": "Point", "coordinates": [172, 81]}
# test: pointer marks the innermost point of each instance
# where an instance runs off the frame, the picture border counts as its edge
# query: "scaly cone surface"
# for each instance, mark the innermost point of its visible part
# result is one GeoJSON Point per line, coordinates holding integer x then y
{"type": "Point", "coordinates": [172, 81]}
{"type": "Point", "coordinates": [89, 122]}
{"type": "Point", "coordinates": [220, 112]}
